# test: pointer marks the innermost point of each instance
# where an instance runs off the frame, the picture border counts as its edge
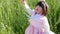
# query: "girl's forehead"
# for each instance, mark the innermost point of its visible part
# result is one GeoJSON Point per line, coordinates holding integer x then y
{"type": "Point", "coordinates": [38, 7]}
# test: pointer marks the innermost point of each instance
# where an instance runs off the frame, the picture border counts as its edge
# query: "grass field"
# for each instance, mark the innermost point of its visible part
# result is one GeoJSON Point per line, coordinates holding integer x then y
{"type": "Point", "coordinates": [14, 20]}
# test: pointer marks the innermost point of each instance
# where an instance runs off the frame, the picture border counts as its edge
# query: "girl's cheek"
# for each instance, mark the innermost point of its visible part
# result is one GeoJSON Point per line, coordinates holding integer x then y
{"type": "Point", "coordinates": [39, 10]}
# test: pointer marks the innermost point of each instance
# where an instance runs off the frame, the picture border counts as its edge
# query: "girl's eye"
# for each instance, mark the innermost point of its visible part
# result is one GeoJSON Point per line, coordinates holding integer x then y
{"type": "Point", "coordinates": [36, 9]}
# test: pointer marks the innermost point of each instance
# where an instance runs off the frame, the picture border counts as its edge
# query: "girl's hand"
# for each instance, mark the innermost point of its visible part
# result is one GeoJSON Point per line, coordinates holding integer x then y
{"type": "Point", "coordinates": [42, 0]}
{"type": "Point", "coordinates": [23, 1]}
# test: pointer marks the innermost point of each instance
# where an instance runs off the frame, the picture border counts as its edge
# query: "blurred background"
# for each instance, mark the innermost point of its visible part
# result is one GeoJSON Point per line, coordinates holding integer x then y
{"type": "Point", "coordinates": [14, 18]}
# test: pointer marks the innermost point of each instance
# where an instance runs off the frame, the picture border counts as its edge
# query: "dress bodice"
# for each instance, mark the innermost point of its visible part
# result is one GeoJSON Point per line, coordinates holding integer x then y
{"type": "Point", "coordinates": [39, 21]}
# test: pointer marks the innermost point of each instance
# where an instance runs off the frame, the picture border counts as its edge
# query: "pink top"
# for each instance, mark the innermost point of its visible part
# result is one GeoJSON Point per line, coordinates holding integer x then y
{"type": "Point", "coordinates": [39, 22]}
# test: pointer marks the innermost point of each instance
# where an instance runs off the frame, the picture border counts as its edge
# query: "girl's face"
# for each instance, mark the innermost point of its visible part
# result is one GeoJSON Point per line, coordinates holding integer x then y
{"type": "Point", "coordinates": [38, 9]}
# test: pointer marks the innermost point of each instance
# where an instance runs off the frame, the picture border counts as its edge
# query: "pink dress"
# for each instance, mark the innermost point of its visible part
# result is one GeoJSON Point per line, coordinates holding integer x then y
{"type": "Point", "coordinates": [38, 23]}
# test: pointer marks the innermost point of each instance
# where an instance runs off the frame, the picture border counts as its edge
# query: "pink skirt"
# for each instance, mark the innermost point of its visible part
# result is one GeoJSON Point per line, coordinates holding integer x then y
{"type": "Point", "coordinates": [31, 30]}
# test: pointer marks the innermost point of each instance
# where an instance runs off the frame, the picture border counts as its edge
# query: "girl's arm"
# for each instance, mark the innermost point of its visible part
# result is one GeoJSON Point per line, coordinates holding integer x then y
{"type": "Point", "coordinates": [45, 25]}
{"type": "Point", "coordinates": [27, 7]}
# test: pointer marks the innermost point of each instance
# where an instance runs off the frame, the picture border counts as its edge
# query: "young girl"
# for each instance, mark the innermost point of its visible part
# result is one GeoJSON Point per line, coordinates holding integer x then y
{"type": "Point", "coordinates": [38, 21]}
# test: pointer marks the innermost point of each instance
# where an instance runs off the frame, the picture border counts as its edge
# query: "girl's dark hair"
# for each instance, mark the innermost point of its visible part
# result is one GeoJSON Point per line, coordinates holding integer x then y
{"type": "Point", "coordinates": [44, 6]}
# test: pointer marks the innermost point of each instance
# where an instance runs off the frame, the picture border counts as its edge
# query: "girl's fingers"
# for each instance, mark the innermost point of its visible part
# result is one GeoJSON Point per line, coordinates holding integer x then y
{"type": "Point", "coordinates": [42, 0]}
{"type": "Point", "coordinates": [22, 1]}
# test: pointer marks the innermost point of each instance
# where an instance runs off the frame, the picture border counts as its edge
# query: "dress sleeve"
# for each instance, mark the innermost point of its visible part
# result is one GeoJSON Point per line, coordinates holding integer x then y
{"type": "Point", "coordinates": [45, 24]}
{"type": "Point", "coordinates": [28, 9]}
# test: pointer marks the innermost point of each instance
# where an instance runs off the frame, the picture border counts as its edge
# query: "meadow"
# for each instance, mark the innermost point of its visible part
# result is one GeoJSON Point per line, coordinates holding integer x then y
{"type": "Point", "coordinates": [14, 18]}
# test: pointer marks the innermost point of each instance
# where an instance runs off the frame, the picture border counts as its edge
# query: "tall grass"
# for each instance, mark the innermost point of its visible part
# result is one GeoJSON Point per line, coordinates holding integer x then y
{"type": "Point", "coordinates": [13, 18]}
{"type": "Point", "coordinates": [54, 15]}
